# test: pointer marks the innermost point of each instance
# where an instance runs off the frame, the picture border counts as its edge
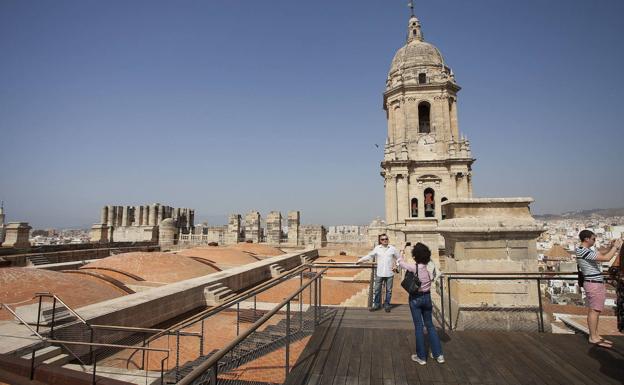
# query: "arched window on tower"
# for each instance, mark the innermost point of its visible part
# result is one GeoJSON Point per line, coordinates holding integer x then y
{"type": "Point", "coordinates": [429, 203]}
{"type": "Point", "coordinates": [442, 208]}
{"type": "Point", "coordinates": [414, 208]}
{"type": "Point", "coordinates": [422, 78]}
{"type": "Point", "coordinates": [424, 111]}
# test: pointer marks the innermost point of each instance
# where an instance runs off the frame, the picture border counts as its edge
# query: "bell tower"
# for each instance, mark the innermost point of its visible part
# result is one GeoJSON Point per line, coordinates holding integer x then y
{"type": "Point", "coordinates": [426, 159]}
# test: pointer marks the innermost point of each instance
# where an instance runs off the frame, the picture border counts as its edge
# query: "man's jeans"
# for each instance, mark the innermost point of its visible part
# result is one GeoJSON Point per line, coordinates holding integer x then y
{"type": "Point", "coordinates": [377, 291]}
{"type": "Point", "coordinates": [421, 307]}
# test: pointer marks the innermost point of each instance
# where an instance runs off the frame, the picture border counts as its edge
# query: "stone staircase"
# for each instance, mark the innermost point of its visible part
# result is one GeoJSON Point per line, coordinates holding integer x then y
{"type": "Point", "coordinates": [276, 270]}
{"type": "Point", "coordinates": [217, 293]}
{"type": "Point", "coordinates": [359, 299]}
{"type": "Point", "coordinates": [38, 260]}
{"type": "Point", "coordinates": [258, 344]}
{"type": "Point", "coordinates": [50, 355]}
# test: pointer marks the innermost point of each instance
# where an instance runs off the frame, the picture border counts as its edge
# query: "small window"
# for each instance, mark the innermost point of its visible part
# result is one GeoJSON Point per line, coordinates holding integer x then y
{"type": "Point", "coordinates": [422, 78]}
{"type": "Point", "coordinates": [414, 208]}
{"type": "Point", "coordinates": [424, 110]}
{"type": "Point", "coordinates": [429, 203]}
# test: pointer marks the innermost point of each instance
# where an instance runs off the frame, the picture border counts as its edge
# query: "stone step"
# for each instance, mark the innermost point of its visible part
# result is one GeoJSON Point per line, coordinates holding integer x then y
{"type": "Point", "coordinates": [217, 294]}
{"type": "Point", "coordinates": [43, 354]}
{"type": "Point", "coordinates": [38, 260]}
{"type": "Point", "coordinates": [60, 359]}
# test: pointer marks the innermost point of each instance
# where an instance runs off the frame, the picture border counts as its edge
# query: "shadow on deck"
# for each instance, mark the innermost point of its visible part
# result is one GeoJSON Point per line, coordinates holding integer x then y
{"type": "Point", "coordinates": [363, 348]}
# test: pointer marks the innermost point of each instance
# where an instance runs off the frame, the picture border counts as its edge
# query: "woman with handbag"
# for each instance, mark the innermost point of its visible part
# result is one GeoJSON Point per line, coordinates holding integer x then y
{"type": "Point", "coordinates": [419, 286]}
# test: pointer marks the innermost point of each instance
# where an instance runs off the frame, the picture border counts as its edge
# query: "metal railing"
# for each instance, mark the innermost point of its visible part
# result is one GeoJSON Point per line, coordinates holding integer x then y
{"type": "Point", "coordinates": [235, 354]}
{"type": "Point", "coordinates": [92, 346]}
{"type": "Point", "coordinates": [479, 290]}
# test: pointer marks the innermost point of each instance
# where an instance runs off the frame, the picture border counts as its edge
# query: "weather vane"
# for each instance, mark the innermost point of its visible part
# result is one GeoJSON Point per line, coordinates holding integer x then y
{"type": "Point", "coordinates": [411, 7]}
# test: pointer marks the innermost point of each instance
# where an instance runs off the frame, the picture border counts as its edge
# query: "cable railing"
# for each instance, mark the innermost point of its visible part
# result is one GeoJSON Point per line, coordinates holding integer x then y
{"type": "Point", "coordinates": [270, 338]}
{"type": "Point", "coordinates": [91, 346]}
{"type": "Point", "coordinates": [263, 330]}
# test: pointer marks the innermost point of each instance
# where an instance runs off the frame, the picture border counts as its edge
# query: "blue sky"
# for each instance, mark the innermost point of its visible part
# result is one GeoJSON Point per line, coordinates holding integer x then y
{"type": "Point", "coordinates": [227, 106]}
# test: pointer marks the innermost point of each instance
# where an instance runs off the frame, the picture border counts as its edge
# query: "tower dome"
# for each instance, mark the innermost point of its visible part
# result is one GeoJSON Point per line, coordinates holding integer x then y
{"type": "Point", "coordinates": [417, 58]}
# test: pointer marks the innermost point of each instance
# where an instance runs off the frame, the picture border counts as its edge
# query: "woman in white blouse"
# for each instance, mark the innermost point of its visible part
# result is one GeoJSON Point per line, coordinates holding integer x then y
{"type": "Point", "coordinates": [421, 306]}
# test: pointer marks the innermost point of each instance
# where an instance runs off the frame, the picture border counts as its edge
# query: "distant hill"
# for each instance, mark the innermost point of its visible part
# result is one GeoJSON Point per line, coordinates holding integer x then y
{"type": "Point", "coordinates": [603, 213]}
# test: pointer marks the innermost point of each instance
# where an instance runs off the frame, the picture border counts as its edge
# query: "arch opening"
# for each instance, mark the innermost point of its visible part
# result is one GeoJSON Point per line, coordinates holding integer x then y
{"type": "Point", "coordinates": [414, 208]}
{"type": "Point", "coordinates": [424, 121]}
{"type": "Point", "coordinates": [429, 202]}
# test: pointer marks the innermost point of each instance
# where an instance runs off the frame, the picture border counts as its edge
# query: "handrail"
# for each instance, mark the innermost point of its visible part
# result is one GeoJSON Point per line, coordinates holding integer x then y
{"type": "Point", "coordinates": [2, 305]}
{"type": "Point", "coordinates": [344, 265]}
{"type": "Point", "coordinates": [51, 295]}
{"type": "Point", "coordinates": [139, 330]}
{"type": "Point", "coordinates": [214, 359]}
{"type": "Point", "coordinates": [44, 339]}
{"type": "Point", "coordinates": [98, 344]}
{"type": "Point", "coordinates": [238, 298]}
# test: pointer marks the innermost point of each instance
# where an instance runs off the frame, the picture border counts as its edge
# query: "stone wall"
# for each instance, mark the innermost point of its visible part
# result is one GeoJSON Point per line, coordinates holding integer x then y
{"type": "Point", "coordinates": [491, 235]}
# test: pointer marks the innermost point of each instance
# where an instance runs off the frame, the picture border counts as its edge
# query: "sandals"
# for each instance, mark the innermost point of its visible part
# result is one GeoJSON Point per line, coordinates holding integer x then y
{"type": "Point", "coordinates": [602, 343]}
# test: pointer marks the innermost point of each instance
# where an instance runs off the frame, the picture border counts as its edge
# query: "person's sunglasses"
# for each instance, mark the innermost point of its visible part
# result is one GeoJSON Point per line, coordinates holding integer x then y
{"type": "Point", "coordinates": [383, 239]}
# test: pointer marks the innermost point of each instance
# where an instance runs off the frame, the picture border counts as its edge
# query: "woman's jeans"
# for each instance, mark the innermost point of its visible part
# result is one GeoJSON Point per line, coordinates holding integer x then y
{"type": "Point", "coordinates": [421, 307]}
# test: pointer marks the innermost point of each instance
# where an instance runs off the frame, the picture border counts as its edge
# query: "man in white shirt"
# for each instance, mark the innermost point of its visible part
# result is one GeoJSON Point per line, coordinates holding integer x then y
{"type": "Point", "coordinates": [387, 256]}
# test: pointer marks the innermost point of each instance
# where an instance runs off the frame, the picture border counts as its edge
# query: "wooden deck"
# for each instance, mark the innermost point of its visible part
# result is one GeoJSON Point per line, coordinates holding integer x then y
{"type": "Point", "coordinates": [356, 347]}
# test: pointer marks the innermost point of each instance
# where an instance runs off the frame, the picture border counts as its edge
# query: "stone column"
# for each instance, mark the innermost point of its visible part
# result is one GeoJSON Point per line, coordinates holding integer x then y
{"type": "Point", "coordinates": [387, 181]}
{"type": "Point", "coordinates": [119, 212]}
{"type": "Point", "coordinates": [104, 215]}
{"type": "Point", "coordinates": [294, 220]}
{"type": "Point", "coordinates": [421, 201]}
{"type": "Point", "coordinates": [124, 216]}
{"type": "Point", "coordinates": [402, 198]}
{"type": "Point", "coordinates": [160, 214]}
{"type": "Point", "coordinates": [392, 216]}
{"type": "Point", "coordinates": [453, 118]}
{"type": "Point", "coordinates": [152, 215]}
{"type": "Point", "coordinates": [145, 221]}
{"type": "Point", "coordinates": [233, 229]}
{"type": "Point", "coordinates": [138, 215]}
{"type": "Point", "coordinates": [111, 215]}
{"type": "Point", "coordinates": [274, 227]}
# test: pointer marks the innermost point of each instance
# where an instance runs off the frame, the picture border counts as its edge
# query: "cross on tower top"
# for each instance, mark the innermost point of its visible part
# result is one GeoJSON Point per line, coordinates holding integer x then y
{"type": "Point", "coordinates": [411, 7]}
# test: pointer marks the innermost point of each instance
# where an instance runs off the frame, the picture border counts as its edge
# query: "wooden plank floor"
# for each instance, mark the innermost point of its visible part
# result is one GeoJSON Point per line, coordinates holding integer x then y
{"type": "Point", "coordinates": [356, 347]}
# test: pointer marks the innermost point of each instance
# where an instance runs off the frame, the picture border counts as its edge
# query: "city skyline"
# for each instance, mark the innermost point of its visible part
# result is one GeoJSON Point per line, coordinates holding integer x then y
{"type": "Point", "coordinates": [204, 106]}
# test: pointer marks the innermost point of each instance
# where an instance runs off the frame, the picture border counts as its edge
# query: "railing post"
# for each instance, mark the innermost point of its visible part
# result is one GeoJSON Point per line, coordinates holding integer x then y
{"type": "Point", "coordinates": [541, 314]}
{"type": "Point", "coordinates": [143, 354]}
{"type": "Point", "coordinates": [162, 372]}
{"type": "Point", "coordinates": [237, 318]}
{"type": "Point", "coordinates": [301, 302]}
{"type": "Point", "coordinates": [450, 299]}
{"type": "Point", "coordinates": [177, 369]}
{"type": "Point", "coordinates": [215, 368]}
{"type": "Point", "coordinates": [442, 304]}
{"type": "Point", "coordinates": [315, 299]}
{"type": "Point", "coordinates": [255, 308]}
{"type": "Point", "coordinates": [320, 296]}
{"type": "Point", "coordinates": [287, 366]}
{"type": "Point", "coordinates": [32, 357]}
{"type": "Point", "coordinates": [201, 341]}
{"type": "Point", "coordinates": [94, 359]}
{"type": "Point", "coordinates": [53, 317]}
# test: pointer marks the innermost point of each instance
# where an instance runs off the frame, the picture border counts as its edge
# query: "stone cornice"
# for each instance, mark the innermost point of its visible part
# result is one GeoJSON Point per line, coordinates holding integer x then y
{"type": "Point", "coordinates": [419, 87]}
{"type": "Point", "coordinates": [436, 162]}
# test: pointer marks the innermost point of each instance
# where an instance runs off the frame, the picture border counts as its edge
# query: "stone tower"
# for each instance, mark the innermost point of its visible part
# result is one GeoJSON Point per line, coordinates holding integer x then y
{"type": "Point", "coordinates": [426, 160]}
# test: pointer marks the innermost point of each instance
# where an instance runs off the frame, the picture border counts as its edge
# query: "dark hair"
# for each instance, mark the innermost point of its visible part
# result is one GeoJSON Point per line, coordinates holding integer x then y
{"type": "Point", "coordinates": [381, 235]}
{"type": "Point", "coordinates": [421, 253]}
{"type": "Point", "coordinates": [586, 234]}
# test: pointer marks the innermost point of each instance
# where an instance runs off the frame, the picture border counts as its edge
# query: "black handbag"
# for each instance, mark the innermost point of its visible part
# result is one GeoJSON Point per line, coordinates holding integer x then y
{"type": "Point", "coordinates": [410, 283]}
